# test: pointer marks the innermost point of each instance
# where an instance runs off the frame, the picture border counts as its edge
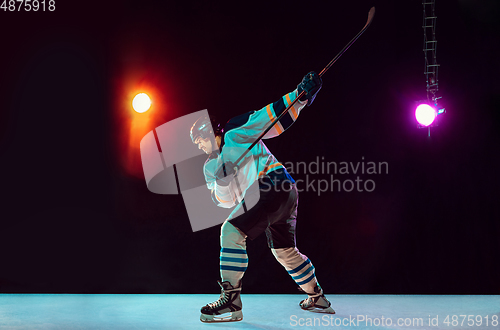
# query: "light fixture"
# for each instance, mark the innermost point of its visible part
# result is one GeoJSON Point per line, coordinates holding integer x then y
{"type": "Point", "coordinates": [427, 111]}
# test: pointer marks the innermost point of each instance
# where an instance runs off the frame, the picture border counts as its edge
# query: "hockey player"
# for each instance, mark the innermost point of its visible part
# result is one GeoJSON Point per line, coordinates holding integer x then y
{"type": "Point", "coordinates": [275, 211]}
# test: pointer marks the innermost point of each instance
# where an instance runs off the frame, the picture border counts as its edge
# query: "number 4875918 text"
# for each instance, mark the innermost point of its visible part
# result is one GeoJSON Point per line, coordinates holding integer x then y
{"type": "Point", "coordinates": [28, 5]}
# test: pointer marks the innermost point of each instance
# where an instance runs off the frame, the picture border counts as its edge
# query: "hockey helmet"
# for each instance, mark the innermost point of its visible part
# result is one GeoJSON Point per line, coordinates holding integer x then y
{"type": "Point", "coordinates": [205, 128]}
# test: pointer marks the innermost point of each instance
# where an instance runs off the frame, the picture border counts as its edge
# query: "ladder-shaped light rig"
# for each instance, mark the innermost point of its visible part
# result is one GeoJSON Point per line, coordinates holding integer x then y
{"type": "Point", "coordinates": [430, 50]}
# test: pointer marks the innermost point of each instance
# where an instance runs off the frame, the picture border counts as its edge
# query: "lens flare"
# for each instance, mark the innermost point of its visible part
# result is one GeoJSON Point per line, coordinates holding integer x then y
{"type": "Point", "coordinates": [141, 102]}
{"type": "Point", "coordinates": [425, 114]}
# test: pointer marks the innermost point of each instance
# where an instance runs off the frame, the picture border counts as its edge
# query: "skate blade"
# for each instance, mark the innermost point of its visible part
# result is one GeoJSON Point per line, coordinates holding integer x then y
{"type": "Point", "coordinates": [327, 310]}
{"type": "Point", "coordinates": [227, 317]}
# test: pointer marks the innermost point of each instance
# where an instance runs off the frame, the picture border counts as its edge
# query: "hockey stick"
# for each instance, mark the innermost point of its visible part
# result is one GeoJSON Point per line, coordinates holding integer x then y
{"type": "Point", "coordinates": [371, 13]}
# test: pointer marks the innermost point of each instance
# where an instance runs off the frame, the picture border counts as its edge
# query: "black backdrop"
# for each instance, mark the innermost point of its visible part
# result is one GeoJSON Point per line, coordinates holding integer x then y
{"type": "Point", "coordinates": [76, 213]}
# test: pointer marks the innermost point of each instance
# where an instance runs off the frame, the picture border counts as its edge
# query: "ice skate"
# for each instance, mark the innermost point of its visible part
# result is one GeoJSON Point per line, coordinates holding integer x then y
{"type": "Point", "coordinates": [227, 308]}
{"type": "Point", "coordinates": [317, 302]}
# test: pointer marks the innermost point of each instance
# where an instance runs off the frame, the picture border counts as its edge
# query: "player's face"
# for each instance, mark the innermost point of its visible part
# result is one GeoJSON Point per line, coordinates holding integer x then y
{"type": "Point", "coordinates": [204, 144]}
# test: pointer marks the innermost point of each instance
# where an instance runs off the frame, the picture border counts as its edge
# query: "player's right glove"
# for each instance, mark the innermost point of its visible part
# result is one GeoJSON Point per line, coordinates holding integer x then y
{"type": "Point", "coordinates": [311, 84]}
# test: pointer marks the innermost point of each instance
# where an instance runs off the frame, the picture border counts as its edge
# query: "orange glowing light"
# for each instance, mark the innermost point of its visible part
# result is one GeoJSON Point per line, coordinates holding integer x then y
{"type": "Point", "coordinates": [141, 102]}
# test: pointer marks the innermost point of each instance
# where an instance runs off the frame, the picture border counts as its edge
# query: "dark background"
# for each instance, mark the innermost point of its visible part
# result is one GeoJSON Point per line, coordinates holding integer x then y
{"type": "Point", "coordinates": [76, 215]}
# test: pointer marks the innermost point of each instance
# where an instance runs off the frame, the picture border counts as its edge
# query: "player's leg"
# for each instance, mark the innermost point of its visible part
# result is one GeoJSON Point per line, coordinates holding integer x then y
{"type": "Point", "coordinates": [233, 263]}
{"type": "Point", "coordinates": [234, 260]}
{"type": "Point", "coordinates": [233, 254]}
{"type": "Point", "coordinates": [233, 257]}
{"type": "Point", "coordinates": [302, 272]}
{"type": "Point", "coordinates": [281, 240]}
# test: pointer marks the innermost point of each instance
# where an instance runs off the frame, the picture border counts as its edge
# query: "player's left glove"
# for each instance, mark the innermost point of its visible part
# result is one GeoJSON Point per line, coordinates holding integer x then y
{"type": "Point", "coordinates": [311, 84]}
{"type": "Point", "coordinates": [225, 174]}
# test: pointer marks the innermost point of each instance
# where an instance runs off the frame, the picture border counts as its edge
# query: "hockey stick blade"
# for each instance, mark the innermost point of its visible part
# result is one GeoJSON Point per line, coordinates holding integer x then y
{"type": "Point", "coordinates": [371, 14]}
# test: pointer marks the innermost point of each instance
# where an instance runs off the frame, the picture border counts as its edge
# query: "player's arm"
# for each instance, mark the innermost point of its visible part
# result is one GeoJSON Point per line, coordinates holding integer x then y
{"type": "Point", "coordinates": [230, 185]}
{"type": "Point", "coordinates": [223, 191]}
{"type": "Point", "coordinates": [219, 184]}
{"type": "Point", "coordinates": [250, 125]}
{"type": "Point", "coordinates": [223, 196]}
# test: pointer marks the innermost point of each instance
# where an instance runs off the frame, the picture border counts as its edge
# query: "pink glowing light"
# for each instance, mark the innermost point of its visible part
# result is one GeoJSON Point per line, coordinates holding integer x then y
{"type": "Point", "coordinates": [425, 114]}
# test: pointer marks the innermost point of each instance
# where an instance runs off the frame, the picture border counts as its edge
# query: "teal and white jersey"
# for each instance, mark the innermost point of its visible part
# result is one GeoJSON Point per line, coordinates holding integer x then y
{"type": "Point", "coordinates": [239, 133]}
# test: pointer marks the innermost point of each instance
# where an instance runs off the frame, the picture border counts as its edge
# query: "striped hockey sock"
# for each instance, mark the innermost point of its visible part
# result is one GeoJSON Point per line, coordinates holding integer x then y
{"type": "Point", "coordinates": [298, 266]}
{"type": "Point", "coordinates": [233, 254]}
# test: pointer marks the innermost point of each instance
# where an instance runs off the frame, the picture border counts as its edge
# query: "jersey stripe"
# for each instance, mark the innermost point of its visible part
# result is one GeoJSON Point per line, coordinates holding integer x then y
{"type": "Point", "coordinates": [279, 106]}
{"type": "Point", "coordinates": [267, 169]}
{"type": "Point", "coordinates": [214, 194]}
{"type": "Point", "coordinates": [269, 113]}
{"type": "Point", "coordinates": [278, 126]}
{"type": "Point", "coordinates": [286, 121]}
{"type": "Point", "coordinates": [292, 109]}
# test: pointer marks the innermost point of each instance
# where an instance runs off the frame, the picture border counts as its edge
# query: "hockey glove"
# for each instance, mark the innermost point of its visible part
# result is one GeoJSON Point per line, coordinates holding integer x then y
{"type": "Point", "coordinates": [225, 174]}
{"type": "Point", "coordinates": [311, 84]}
